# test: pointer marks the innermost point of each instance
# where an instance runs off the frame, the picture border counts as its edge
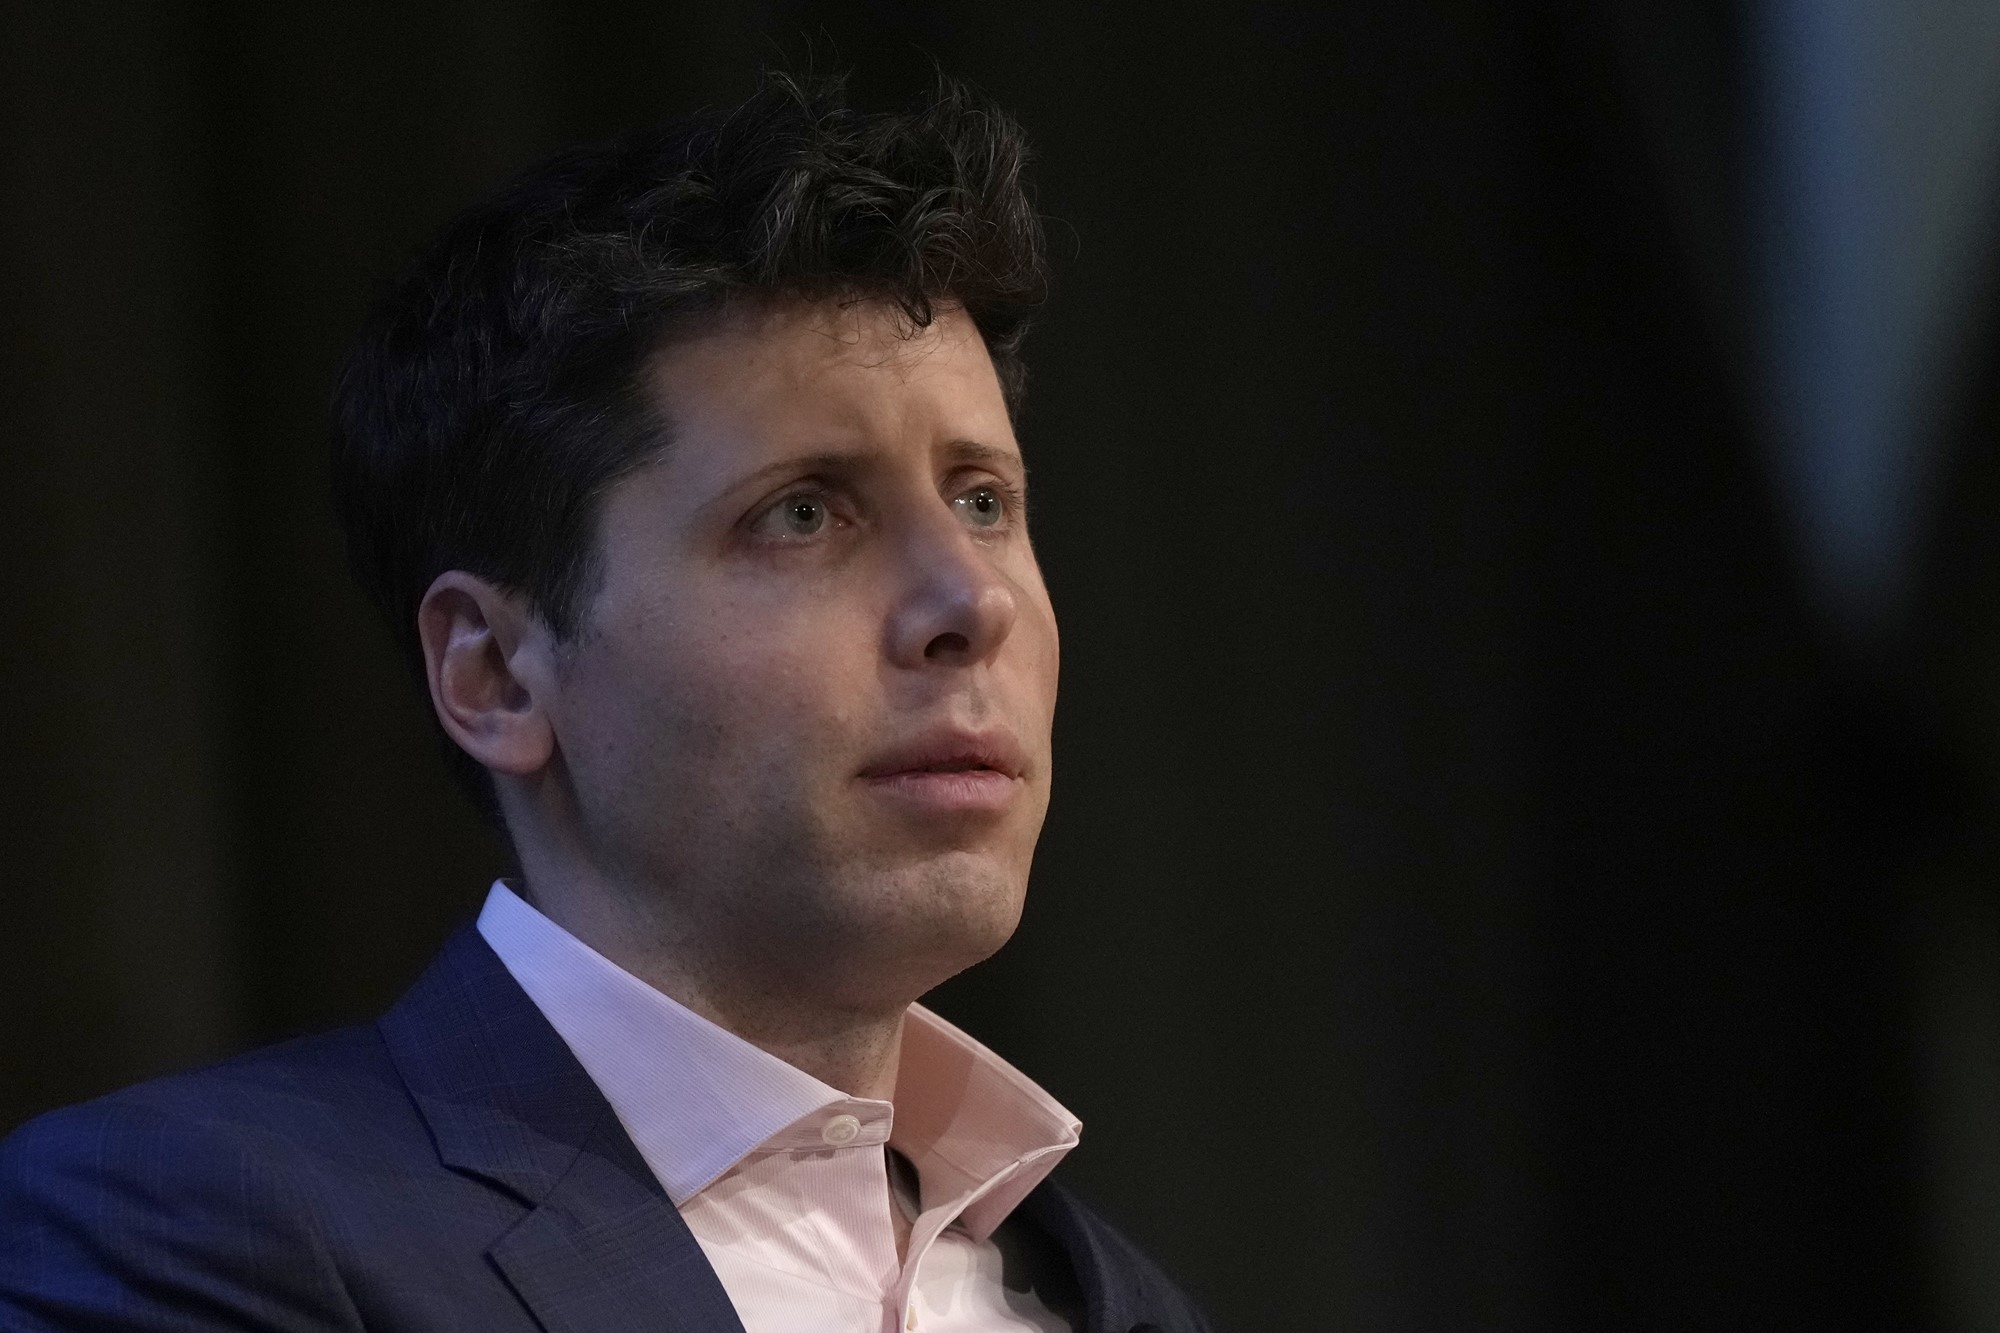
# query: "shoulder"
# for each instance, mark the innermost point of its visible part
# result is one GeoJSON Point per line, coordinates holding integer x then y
{"type": "Point", "coordinates": [1124, 1286]}
{"type": "Point", "coordinates": [204, 1195]}
{"type": "Point", "coordinates": [330, 1098]}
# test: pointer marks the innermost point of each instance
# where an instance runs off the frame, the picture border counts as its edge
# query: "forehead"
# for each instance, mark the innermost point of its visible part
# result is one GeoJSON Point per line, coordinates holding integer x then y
{"type": "Point", "coordinates": [777, 376]}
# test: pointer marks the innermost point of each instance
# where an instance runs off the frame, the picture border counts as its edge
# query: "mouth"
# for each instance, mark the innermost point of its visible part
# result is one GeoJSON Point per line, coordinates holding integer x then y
{"type": "Point", "coordinates": [950, 771]}
{"type": "Point", "coordinates": [952, 751]}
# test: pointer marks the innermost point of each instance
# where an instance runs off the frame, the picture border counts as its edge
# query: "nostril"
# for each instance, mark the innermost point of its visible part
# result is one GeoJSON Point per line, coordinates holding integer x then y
{"type": "Point", "coordinates": [951, 644]}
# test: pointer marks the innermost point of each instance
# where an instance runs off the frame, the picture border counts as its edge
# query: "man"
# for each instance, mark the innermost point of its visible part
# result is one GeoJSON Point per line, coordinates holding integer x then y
{"type": "Point", "coordinates": [685, 475]}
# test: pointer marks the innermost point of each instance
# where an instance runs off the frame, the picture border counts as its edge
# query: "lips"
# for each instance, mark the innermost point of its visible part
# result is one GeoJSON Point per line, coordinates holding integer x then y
{"type": "Point", "coordinates": [951, 751]}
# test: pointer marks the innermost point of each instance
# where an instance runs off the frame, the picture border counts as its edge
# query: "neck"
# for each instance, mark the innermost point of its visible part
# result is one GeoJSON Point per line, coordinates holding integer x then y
{"type": "Point", "coordinates": [853, 1050]}
{"type": "Point", "coordinates": [860, 1059]}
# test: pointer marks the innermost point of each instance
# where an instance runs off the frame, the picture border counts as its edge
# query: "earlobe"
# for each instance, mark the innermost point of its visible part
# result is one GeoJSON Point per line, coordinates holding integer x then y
{"type": "Point", "coordinates": [481, 647]}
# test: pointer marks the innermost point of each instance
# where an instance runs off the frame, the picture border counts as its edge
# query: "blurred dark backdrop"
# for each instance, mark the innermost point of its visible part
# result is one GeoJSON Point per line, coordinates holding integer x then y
{"type": "Point", "coordinates": [1498, 877]}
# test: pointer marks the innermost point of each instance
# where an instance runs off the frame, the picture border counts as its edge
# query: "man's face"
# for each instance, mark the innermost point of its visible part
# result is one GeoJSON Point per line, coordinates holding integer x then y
{"type": "Point", "coordinates": [806, 721]}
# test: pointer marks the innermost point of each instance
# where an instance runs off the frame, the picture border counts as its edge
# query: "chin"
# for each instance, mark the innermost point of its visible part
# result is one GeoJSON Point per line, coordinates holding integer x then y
{"type": "Point", "coordinates": [917, 926]}
{"type": "Point", "coordinates": [965, 898]}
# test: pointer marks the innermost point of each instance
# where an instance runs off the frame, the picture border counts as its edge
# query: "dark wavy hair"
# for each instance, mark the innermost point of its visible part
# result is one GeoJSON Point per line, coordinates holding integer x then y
{"type": "Point", "coordinates": [494, 394]}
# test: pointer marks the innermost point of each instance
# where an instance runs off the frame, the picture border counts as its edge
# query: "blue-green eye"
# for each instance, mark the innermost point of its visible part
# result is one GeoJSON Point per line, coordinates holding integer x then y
{"type": "Point", "coordinates": [802, 515]}
{"type": "Point", "coordinates": [981, 507]}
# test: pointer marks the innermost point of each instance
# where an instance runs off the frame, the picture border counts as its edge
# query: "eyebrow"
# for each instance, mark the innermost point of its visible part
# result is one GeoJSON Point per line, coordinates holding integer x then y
{"type": "Point", "coordinates": [972, 451]}
{"type": "Point", "coordinates": [850, 461]}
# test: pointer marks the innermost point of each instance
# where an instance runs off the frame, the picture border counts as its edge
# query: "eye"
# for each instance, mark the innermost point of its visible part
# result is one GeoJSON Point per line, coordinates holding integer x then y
{"type": "Point", "coordinates": [981, 507]}
{"type": "Point", "coordinates": [800, 514]}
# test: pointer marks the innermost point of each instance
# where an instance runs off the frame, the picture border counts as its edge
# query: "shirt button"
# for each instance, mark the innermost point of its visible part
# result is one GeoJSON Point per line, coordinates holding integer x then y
{"type": "Point", "coordinates": [840, 1131]}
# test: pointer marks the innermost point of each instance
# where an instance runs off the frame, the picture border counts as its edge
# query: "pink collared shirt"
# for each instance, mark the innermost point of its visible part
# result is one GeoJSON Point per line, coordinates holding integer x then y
{"type": "Point", "coordinates": [783, 1179]}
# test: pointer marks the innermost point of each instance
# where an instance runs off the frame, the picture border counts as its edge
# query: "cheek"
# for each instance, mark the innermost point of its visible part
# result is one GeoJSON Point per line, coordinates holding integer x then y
{"type": "Point", "coordinates": [1054, 643]}
{"type": "Point", "coordinates": [1037, 631]}
{"type": "Point", "coordinates": [721, 703]}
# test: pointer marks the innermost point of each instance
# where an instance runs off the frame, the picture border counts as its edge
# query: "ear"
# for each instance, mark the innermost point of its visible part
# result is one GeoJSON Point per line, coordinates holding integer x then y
{"type": "Point", "coordinates": [488, 660]}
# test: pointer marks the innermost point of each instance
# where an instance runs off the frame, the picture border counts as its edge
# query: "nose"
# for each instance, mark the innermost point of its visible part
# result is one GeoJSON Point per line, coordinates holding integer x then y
{"type": "Point", "coordinates": [957, 607]}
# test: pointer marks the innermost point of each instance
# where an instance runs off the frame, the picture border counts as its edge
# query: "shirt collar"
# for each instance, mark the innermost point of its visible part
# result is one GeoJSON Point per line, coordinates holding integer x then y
{"type": "Point", "coordinates": [696, 1099]}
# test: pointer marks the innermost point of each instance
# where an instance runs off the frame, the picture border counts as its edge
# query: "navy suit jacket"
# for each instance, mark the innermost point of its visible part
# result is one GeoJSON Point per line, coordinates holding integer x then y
{"type": "Point", "coordinates": [451, 1167]}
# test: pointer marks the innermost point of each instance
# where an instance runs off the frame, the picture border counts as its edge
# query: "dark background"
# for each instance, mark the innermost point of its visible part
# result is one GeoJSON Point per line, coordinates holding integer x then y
{"type": "Point", "coordinates": [1492, 882]}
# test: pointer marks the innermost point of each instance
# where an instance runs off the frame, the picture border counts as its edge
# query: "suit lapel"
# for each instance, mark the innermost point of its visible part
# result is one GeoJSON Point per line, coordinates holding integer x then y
{"type": "Point", "coordinates": [1115, 1298]}
{"type": "Point", "coordinates": [601, 1249]}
